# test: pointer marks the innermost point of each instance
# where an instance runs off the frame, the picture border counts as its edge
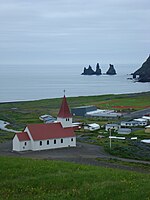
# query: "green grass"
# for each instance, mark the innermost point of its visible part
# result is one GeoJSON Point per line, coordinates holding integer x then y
{"type": "Point", "coordinates": [29, 179]}
{"type": "Point", "coordinates": [132, 149]}
{"type": "Point", "coordinates": [19, 114]}
{"type": "Point", "coordinates": [5, 135]}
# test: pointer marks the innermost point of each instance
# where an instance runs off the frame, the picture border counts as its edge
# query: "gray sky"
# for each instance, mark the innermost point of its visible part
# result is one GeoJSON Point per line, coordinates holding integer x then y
{"type": "Point", "coordinates": [74, 31]}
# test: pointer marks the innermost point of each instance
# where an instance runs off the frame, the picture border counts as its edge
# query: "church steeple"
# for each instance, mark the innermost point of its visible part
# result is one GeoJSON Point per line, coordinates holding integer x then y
{"type": "Point", "coordinates": [64, 115]}
{"type": "Point", "coordinates": [64, 111]}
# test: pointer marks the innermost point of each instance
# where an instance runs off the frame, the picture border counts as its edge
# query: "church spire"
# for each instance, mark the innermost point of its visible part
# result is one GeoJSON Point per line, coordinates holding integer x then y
{"type": "Point", "coordinates": [64, 111]}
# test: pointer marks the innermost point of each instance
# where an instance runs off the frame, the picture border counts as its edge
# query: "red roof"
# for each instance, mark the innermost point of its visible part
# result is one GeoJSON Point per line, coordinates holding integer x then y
{"type": "Point", "coordinates": [23, 136]}
{"type": "Point", "coordinates": [64, 111]}
{"type": "Point", "coordinates": [49, 131]}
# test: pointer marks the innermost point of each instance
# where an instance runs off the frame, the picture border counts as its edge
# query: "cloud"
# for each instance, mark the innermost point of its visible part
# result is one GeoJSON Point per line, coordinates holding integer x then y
{"type": "Point", "coordinates": [73, 27]}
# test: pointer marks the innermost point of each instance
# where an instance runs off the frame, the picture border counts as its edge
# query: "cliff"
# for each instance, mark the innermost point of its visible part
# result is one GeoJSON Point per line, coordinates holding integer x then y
{"type": "Point", "coordinates": [143, 72]}
{"type": "Point", "coordinates": [111, 70]}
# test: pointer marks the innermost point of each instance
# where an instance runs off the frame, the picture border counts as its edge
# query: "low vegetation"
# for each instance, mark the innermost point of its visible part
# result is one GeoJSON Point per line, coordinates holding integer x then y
{"type": "Point", "coordinates": [19, 114]}
{"type": "Point", "coordinates": [29, 179]}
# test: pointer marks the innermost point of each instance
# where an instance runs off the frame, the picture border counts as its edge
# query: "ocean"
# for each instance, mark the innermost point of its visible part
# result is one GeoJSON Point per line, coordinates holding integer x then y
{"type": "Point", "coordinates": [31, 82]}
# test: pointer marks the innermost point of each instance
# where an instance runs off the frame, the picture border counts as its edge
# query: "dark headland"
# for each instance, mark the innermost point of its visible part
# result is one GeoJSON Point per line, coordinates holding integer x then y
{"type": "Point", "coordinates": [143, 72]}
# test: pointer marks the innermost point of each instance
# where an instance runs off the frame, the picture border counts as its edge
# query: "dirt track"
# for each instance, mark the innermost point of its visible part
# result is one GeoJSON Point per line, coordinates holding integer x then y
{"type": "Point", "coordinates": [83, 154]}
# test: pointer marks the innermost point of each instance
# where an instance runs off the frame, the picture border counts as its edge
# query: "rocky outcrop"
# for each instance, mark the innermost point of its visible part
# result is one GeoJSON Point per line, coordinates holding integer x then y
{"type": "Point", "coordinates": [90, 71]}
{"type": "Point", "coordinates": [98, 70]}
{"type": "Point", "coordinates": [111, 70]}
{"type": "Point", "coordinates": [143, 72]}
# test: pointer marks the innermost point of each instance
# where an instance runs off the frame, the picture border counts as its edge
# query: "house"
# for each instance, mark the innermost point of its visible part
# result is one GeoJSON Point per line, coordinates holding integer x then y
{"type": "Point", "coordinates": [147, 129]}
{"type": "Point", "coordinates": [134, 123]}
{"type": "Point", "coordinates": [146, 117]}
{"type": "Point", "coordinates": [92, 127]}
{"type": "Point", "coordinates": [129, 124]}
{"type": "Point", "coordinates": [141, 121]}
{"type": "Point", "coordinates": [124, 131]}
{"type": "Point", "coordinates": [112, 126]}
{"type": "Point", "coordinates": [103, 113]}
{"type": "Point", "coordinates": [82, 110]}
{"type": "Point", "coordinates": [37, 137]}
{"type": "Point", "coordinates": [47, 118]}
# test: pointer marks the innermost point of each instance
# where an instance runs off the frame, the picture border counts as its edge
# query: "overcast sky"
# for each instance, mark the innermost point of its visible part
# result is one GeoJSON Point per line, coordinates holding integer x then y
{"type": "Point", "coordinates": [74, 31]}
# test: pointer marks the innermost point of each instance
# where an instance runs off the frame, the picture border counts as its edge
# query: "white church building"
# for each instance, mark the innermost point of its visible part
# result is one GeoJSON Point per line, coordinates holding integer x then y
{"type": "Point", "coordinates": [54, 135]}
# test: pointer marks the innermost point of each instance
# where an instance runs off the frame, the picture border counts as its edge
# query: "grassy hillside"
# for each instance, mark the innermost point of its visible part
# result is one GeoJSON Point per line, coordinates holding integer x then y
{"type": "Point", "coordinates": [29, 179]}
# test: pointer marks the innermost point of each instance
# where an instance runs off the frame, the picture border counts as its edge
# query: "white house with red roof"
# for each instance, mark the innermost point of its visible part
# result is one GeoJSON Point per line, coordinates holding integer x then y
{"type": "Point", "coordinates": [37, 137]}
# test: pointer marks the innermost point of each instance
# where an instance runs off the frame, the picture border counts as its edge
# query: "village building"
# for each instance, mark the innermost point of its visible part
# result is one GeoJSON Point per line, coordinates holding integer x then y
{"type": "Point", "coordinates": [133, 123]}
{"type": "Point", "coordinates": [114, 127]}
{"type": "Point", "coordinates": [147, 129]}
{"type": "Point", "coordinates": [92, 127]}
{"type": "Point", "coordinates": [124, 131]}
{"type": "Point", "coordinates": [54, 135]}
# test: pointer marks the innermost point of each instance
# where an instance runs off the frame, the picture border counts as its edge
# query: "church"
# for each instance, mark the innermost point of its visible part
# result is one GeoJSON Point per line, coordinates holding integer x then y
{"type": "Point", "coordinates": [59, 134]}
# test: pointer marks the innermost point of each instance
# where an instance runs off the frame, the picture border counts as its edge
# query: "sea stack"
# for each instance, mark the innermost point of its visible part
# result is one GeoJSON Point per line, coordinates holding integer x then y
{"type": "Point", "coordinates": [143, 72]}
{"type": "Point", "coordinates": [111, 70]}
{"type": "Point", "coordinates": [98, 70]}
{"type": "Point", "coordinates": [88, 71]}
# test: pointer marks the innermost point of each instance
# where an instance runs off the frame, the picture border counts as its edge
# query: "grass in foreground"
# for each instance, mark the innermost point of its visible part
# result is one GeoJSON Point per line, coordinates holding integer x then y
{"type": "Point", "coordinates": [42, 179]}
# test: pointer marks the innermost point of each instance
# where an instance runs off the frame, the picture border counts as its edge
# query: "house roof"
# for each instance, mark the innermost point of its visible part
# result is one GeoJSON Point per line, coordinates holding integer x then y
{"type": "Point", "coordinates": [49, 131]}
{"type": "Point", "coordinates": [23, 136]}
{"type": "Point", "coordinates": [94, 125]}
{"type": "Point", "coordinates": [64, 111]}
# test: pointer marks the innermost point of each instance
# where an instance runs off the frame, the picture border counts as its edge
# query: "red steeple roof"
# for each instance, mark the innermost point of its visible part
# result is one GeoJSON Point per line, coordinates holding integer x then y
{"type": "Point", "coordinates": [64, 111]}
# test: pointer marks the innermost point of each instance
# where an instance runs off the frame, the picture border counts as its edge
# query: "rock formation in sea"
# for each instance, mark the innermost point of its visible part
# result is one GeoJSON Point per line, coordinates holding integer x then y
{"type": "Point", "coordinates": [98, 70]}
{"type": "Point", "coordinates": [88, 71]}
{"type": "Point", "coordinates": [111, 70]}
{"type": "Point", "coordinates": [143, 72]}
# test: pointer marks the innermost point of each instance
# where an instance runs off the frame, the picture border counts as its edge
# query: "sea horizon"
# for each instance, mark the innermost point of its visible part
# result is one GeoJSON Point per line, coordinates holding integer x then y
{"type": "Point", "coordinates": [35, 82]}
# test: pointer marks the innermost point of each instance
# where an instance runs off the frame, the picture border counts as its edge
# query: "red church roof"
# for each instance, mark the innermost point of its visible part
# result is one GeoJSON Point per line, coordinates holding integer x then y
{"type": "Point", "coordinates": [64, 111]}
{"type": "Point", "coordinates": [49, 131]}
{"type": "Point", "coordinates": [23, 136]}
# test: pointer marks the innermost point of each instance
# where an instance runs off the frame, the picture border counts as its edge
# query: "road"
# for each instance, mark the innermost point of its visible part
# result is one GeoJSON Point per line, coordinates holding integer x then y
{"type": "Point", "coordinates": [138, 113]}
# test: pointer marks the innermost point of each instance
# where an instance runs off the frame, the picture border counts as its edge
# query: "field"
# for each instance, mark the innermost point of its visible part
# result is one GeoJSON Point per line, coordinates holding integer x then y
{"type": "Point", "coordinates": [29, 179]}
{"type": "Point", "coordinates": [19, 114]}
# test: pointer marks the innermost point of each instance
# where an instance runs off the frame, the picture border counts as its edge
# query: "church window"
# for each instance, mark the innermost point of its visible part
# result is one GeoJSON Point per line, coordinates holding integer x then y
{"type": "Point", "coordinates": [71, 139]}
{"type": "Point", "coordinates": [54, 141]}
{"type": "Point", "coordinates": [25, 143]}
{"type": "Point", "coordinates": [61, 140]}
{"type": "Point", "coordinates": [47, 142]}
{"type": "Point", "coordinates": [40, 143]}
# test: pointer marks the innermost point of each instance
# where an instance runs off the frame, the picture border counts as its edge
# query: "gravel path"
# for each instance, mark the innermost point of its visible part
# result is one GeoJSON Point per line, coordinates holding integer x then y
{"type": "Point", "coordinates": [3, 125]}
{"type": "Point", "coordinates": [83, 154]}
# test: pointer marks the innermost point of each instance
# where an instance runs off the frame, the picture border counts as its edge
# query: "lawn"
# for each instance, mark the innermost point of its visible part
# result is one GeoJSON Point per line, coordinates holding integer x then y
{"type": "Point", "coordinates": [28, 179]}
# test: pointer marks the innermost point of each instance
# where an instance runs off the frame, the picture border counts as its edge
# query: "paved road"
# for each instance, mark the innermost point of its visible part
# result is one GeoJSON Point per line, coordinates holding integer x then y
{"type": "Point", "coordinates": [83, 154]}
{"type": "Point", "coordinates": [138, 113]}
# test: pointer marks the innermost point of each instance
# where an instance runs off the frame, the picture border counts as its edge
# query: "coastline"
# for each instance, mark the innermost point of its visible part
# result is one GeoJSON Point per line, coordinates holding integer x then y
{"type": "Point", "coordinates": [83, 96]}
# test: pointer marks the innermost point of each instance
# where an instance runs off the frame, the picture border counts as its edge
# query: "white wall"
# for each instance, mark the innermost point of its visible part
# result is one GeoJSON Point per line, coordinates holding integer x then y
{"type": "Point", "coordinates": [21, 145]}
{"type": "Point", "coordinates": [107, 128]}
{"type": "Point", "coordinates": [16, 144]}
{"type": "Point", "coordinates": [66, 143]}
{"type": "Point", "coordinates": [66, 122]}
